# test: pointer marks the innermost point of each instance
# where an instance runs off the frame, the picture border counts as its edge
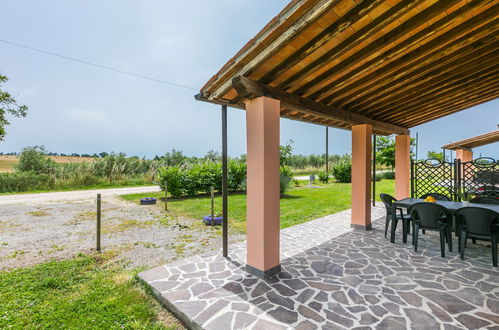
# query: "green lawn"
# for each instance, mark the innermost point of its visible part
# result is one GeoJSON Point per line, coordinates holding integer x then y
{"type": "Point", "coordinates": [83, 293]}
{"type": "Point", "coordinates": [300, 204]}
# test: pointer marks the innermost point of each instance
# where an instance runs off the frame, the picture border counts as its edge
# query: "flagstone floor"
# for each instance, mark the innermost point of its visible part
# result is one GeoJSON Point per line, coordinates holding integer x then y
{"type": "Point", "coordinates": [336, 278]}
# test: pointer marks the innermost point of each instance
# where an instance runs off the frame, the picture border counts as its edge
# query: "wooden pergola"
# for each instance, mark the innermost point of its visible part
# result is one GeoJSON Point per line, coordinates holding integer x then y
{"type": "Point", "coordinates": [375, 67]}
{"type": "Point", "coordinates": [464, 147]}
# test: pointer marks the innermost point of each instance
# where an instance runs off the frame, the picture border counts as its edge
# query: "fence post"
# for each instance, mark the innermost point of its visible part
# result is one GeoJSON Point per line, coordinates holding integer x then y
{"type": "Point", "coordinates": [98, 220]}
{"type": "Point", "coordinates": [166, 196]}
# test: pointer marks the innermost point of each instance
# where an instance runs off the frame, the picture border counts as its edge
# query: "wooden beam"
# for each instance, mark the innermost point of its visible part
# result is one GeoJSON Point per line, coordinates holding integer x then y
{"type": "Point", "coordinates": [250, 89]}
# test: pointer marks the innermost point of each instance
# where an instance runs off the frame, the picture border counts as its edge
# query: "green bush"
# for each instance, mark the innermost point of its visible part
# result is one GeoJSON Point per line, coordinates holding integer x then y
{"type": "Point", "coordinates": [285, 177]}
{"type": "Point", "coordinates": [389, 175]}
{"type": "Point", "coordinates": [191, 180]}
{"type": "Point", "coordinates": [23, 181]}
{"type": "Point", "coordinates": [342, 171]}
{"type": "Point", "coordinates": [323, 177]}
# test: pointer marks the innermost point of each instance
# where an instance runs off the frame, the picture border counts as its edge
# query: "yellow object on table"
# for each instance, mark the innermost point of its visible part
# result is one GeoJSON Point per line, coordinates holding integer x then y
{"type": "Point", "coordinates": [430, 199]}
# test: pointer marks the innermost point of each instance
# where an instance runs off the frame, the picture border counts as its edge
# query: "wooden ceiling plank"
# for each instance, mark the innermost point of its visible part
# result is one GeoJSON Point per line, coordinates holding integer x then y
{"type": "Point", "coordinates": [250, 89]}
{"type": "Point", "coordinates": [386, 40]}
{"type": "Point", "coordinates": [434, 110]}
{"type": "Point", "coordinates": [363, 34]}
{"type": "Point", "coordinates": [432, 84]}
{"type": "Point", "coordinates": [350, 84]}
{"type": "Point", "coordinates": [407, 79]}
{"type": "Point", "coordinates": [473, 142]}
{"type": "Point", "coordinates": [322, 38]}
{"type": "Point", "coordinates": [439, 93]}
{"type": "Point", "coordinates": [451, 109]}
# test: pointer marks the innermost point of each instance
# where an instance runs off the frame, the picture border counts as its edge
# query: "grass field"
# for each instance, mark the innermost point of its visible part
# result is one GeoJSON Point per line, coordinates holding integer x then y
{"type": "Point", "coordinates": [83, 293]}
{"type": "Point", "coordinates": [7, 163]}
{"type": "Point", "coordinates": [300, 204]}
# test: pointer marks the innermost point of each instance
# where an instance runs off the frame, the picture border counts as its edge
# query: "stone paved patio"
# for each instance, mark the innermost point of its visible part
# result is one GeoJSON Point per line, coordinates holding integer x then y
{"type": "Point", "coordinates": [335, 278]}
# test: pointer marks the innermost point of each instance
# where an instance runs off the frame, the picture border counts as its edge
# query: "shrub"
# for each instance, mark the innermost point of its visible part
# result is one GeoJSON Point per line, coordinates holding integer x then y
{"type": "Point", "coordinates": [323, 177]}
{"type": "Point", "coordinates": [285, 176]}
{"type": "Point", "coordinates": [342, 171]}
{"type": "Point", "coordinates": [389, 175]}
{"type": "Point", "coordinates": [23, 181]}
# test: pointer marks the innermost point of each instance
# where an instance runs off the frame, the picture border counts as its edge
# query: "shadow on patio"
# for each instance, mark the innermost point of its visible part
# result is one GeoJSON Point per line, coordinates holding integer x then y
{"type": "Point", "coordinates": [335, 278]}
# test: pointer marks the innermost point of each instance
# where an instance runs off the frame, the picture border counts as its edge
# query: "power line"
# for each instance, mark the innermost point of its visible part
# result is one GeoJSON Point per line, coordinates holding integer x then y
{"type": "Point", "coordinates": [97, 65]}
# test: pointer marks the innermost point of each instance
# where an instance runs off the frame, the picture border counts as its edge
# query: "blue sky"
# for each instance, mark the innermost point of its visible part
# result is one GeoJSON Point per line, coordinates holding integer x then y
{"type": "Point", "coordinates": [83, 109]}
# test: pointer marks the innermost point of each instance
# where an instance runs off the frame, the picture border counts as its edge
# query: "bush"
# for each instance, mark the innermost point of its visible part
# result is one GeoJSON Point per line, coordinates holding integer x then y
{"type": "Point", "coordinates": [342, 171]}
{"type": "Point", "coordinates": [285, 177]}
{"type": "Point", "coordinates": [323, 177]}
{"type": "Point", "coordinates": [23, 181]}
{"type": "Point", "coordinates": [389, 175]}
{"type": "Point", "coordinates": [186, 181]}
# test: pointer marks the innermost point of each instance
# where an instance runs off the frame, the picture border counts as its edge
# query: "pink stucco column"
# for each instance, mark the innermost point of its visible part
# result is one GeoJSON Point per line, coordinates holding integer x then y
{"type": "Point", "coordinates": [262, 227]}
{"type": "Point", "coordinates": [465, 155]}
{"type": "Point", "coordinates": [361, 176]}
{"type": "Point", "coordinates": [402, 166]}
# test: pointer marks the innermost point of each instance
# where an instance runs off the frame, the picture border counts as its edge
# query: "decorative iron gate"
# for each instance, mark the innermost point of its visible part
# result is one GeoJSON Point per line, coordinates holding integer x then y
{"type": "Point", "coordinates": [433, 176]}
{"type": "Point", "coordinates": [479, 177]}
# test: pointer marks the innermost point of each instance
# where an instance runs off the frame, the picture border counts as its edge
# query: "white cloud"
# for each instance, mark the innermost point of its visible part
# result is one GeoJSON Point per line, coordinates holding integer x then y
{"type": "Point", "coordinates": [85, 115]}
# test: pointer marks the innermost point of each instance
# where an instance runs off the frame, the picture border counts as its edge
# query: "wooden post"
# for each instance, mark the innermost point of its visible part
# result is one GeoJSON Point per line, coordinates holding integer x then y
{"type": "Point", "coordinates": [98, 221]}
{"type": "Point", "coordinates": [166, 196]}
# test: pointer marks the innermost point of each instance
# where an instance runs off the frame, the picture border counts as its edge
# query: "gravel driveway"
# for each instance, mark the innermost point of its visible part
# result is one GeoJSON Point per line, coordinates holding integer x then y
{"type": "Point", "coordinates": [34, 230]}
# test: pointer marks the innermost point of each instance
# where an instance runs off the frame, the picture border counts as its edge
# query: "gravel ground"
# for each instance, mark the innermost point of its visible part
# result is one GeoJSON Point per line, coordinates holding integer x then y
{"type": "Point", "coordinates": [143, 236]}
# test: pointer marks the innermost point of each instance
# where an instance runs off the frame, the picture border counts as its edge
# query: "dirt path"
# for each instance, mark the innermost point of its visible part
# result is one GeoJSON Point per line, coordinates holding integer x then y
{"type": "Point", "coordinates": [68, 196]}
{"type": "Point", "coordinates": [42, 227]}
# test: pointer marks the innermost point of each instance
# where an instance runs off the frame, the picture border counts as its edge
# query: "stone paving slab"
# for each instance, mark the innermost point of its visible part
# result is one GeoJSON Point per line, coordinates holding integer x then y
{"type": "Point", "coordinates": [336, 278]}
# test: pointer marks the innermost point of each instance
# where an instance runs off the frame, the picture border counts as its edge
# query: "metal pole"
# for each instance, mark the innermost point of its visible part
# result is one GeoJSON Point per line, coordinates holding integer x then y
{"type": "Point", "coordinates": [374, 169]}
{"type": "Point", "coordinates": [327, 149]}
{"type": "Point", "coordinates": [417, 144]}
{"type": "Point", "coordinates": [98, 220]}
{"type": "Point", "coordinates": [224, 183]}
{"type": "Point", "coordinates": [443, 155]}
{"type": "Point", "coordinates": [166, 196]}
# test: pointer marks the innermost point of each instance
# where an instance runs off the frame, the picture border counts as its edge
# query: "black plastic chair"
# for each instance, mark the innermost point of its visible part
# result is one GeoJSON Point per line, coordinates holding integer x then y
{"type": "Point", "coordinates": [485, 200]}
{"type": "Point", "coordinates": [433, 217]}
{"type": "Point", "coordinates": [437, 196]}
{"type": "Point", "coordinates": [480, 223]}
{"type": "Point", "coordinates": [387, 201]}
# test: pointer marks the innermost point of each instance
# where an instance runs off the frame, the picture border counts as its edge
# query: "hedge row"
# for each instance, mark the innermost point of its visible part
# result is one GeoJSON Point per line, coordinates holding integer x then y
{"type": "Point", "coordinates": [195, 179]}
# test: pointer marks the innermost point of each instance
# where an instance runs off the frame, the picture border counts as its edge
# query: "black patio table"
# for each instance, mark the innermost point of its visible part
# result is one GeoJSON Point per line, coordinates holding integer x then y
{"type": "Point", "coordinates": [451, 206]}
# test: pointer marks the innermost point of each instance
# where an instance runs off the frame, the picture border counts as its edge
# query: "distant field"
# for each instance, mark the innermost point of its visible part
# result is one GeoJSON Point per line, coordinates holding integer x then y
{"type": "Point", "coordinates": [7, 163]}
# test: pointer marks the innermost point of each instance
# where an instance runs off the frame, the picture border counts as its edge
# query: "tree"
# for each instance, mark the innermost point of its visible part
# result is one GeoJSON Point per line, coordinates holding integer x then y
{"type": "Point", "coordinates": [385, 150]}
{"type": "Point", "coordinates": [435, 155]}
{"type": "Point", "coordinates": [8, 105]}
{"type": "Point", "coordinates": [35, 159]}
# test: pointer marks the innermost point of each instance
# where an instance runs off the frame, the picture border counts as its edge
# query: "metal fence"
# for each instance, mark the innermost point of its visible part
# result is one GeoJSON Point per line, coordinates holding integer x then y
{"type": "Point", "coordinates": [456, 180]}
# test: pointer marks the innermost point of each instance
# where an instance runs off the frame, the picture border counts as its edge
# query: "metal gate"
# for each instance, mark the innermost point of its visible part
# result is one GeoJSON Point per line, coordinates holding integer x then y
{"type": "Point", "coordinates": [479, 177]}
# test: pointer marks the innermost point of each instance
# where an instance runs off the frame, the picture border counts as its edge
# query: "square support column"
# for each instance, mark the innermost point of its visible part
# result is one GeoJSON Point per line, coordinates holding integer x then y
{"type": "Point", "coordinates": [263, 195]}
{"type": "Point", "coordinates": [402, 166]}
{"type": "Point", "coordinates": [465, 155]}
{"type": "Point", "coordinates": [361, 176]}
